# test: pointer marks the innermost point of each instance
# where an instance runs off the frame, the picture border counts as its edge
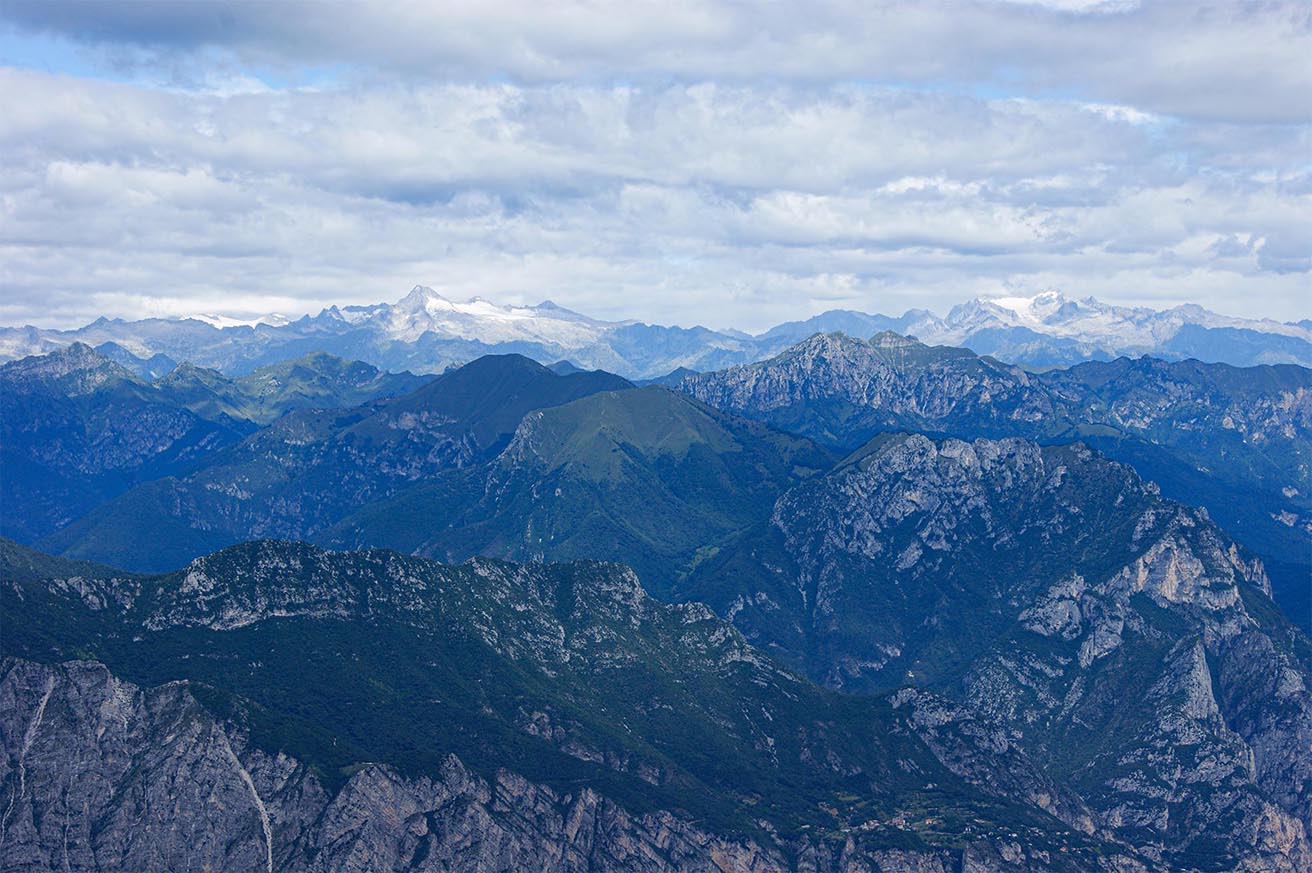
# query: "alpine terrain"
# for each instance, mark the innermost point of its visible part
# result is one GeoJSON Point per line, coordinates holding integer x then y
{"type": "Point", "coordinates": [863, 605]}
{"type": "Point", "coordinates": [696, 437]}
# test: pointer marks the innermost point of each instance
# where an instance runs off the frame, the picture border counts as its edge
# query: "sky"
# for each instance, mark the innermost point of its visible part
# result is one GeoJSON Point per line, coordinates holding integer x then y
{"type": "Point", "coordinates": [729, 164]}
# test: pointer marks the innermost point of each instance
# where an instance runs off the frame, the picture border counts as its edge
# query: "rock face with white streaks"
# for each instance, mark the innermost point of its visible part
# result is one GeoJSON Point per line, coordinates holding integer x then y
{"type": "Point", "coordinates": [103, 775]}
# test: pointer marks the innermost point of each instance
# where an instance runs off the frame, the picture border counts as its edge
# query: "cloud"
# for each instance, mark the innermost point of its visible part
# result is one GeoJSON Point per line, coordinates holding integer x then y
{"type": "Point", "coordinates": [1235, 61]}
{"type": "Point", "coordinates": [675, 163]}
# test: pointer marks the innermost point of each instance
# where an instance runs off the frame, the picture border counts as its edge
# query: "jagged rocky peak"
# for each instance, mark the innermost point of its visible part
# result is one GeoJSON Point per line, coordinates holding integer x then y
{"type": "Point", "coordinates": [424, 310]}
{"type": "Point", "coordinates": [819, 354]}
{"type": "Point", "coordinates": [425, 331]}
{"type": "Point", "coordinates": [926, 504]}
{"type": "Point", "coordinates": [77, 368]}
{"type": "Point", "coordinates": [883, 350]}
{"type": "Point", "coordinates": [835, 344]}
{"type": "Point", "coordinates": [421, 297]}
{"type": "Point", "coordinates": [887, 339]}
{"type": "Point", "coordinates": [1120, 641]}
{"type": "Point", "coordinates": [1046, 308]}
{"type": "Point", "coordinates": [813, 387]}
{"type": "Point", "coordinates": [186, 370]}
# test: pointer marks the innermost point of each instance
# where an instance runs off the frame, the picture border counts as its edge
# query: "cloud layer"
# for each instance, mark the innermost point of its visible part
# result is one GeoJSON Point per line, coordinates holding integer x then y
{"type": "Point", "coordinates": [678, 163]}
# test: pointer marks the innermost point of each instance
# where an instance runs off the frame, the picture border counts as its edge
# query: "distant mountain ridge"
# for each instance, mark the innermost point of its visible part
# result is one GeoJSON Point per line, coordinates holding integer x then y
{"type": "Point", "coordinates": [304, 472]}
{"type": "Point", "coordinates": [426, 333]}
{"type": "Point", "coordinates": [80, 427]}
{"type": "Point", "coordinates": [648, 477]}
{"type": "Point", "coordinates": [1049, 662]}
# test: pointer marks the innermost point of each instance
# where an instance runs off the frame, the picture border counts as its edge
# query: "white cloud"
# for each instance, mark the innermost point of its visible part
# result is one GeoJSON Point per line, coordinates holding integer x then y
{"type": "Point", "coordinates": [1238, 61]}
{"type": "Point", "coordinates": [675, 165]}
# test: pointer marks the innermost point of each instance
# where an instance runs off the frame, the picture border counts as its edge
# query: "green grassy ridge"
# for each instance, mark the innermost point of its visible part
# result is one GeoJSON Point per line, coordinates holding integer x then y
{"type": "Point", "coordinates": [490, 395]}
{"type": "Point", "coordinates": [646, 476]}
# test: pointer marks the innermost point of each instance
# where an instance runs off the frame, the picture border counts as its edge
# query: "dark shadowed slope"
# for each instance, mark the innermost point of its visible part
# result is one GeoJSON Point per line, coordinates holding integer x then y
{"type": "Point", "coordinates": [312, 467]}
{"type": "Point", "coordinates": [78, 429]}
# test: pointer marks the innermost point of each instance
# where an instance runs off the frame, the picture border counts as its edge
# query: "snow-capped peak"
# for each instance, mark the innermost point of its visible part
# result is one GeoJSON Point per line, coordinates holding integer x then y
{"type": "Point", "coordinates": [422, 299]}
{"type": "Point", "coordinates": [1114, 329]}
{"type": "Point", "coordinates": [424, 310]}
{"type": "Point", "coordinates": [1042, 309]}
{"type": "Point", "coordinates": [273, 319]}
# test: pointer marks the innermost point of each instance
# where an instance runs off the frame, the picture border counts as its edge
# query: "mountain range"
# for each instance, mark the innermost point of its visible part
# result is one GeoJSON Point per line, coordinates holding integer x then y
{"type": "Point", "coordinates": [507, 457]}
{"type": "Point", "coordinates": [1235, 441]}
{"type": "Point", "coordinates": [425, 332]}
{"type": "Point", "coordinates": [311, 466]}
{"type": "Point", "coordinates": [79, 428]}
{"type": "Point", "coordinates": [863, 604]}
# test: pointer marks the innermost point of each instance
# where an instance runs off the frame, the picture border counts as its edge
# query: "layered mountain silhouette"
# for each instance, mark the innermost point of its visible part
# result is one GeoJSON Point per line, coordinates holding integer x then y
{"type": "Point", "coordinates": [427, 332]}
{"type": "Point", "coordinates": [1236, 441]}
{"type": "Point", "coordinates": [647, 476]}
{"type": "Point", "coordinates": [312, 466]}
{"type": "Point", "coordinates": [80, 428]}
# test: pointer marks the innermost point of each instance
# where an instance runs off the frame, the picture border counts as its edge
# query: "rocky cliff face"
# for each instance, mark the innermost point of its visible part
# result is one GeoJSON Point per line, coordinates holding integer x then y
{"type": "Point", "coordinates": [1236, 441]}
{"type": "Point", "coordinates": [103, 775]}
{"type": "Point", "coordinates": [1118, 641]}
{"type": "Point", "coordinates": [512, 718]}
